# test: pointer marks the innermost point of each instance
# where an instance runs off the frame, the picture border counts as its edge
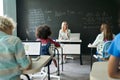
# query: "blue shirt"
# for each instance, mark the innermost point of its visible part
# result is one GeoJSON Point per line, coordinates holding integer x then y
{"type": "Point", "coordinates": [114, 48]}
{"type": "Point", "coordinates": [12, 57]}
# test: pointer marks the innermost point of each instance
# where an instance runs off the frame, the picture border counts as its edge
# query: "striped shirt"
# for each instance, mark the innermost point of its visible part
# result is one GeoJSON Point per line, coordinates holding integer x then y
{"type": "Point", "coordinates": [12, 57]}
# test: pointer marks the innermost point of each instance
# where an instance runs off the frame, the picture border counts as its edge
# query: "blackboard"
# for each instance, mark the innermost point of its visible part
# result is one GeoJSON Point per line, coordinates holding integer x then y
{"type": "Point", "coordinates": [83, 17]}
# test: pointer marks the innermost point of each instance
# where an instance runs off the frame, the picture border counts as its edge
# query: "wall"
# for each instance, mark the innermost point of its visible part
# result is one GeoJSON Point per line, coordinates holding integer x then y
{"type": "Point", "coordinates": [1, 7]}
{"type": "Point", "coordinates": [83, 17]}
{"type": "Point", "coordinates": [118, 2]}
{"type": "Point", "coordinates": [9, 9]}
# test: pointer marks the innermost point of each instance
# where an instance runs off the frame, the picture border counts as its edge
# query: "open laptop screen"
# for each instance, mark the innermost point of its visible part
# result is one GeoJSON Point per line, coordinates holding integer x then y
{"type": "Point", "coordinates": [75, 36]}
{"type": "Point", "coordinates": [32, 47]}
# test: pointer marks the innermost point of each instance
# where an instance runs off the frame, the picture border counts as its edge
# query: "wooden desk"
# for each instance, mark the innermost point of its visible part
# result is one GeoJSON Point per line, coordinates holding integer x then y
{"type": "Point", "coordinates": [99, 71]}
{"type": "Point", "coordinates": [91, 53]}
{"type": "Point", "coordinates": [37, 65]}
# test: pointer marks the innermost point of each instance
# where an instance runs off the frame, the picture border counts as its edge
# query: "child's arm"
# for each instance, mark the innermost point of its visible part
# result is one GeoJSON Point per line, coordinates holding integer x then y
{"type": "Point", "coordinates": [55, 43]}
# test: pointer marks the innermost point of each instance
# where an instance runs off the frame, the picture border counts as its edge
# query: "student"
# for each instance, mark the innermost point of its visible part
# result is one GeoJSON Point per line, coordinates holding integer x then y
{"type": "Point", "coordinates": [42, 34]}
{"type": "Point", "coordinates": [114, 60]}
{"type": "Point", "coordinates": [64, 34]}
{"type": "Point", "coordinates": [12, 54]}
{"type": "Point", "coordinates": [105, 35]}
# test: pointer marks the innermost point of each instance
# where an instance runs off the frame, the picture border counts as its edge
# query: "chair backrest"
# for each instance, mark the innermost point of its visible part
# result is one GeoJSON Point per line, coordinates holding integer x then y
{"type": "Point", "coordinates": [75, 36]}
{"type": "Point", "coordinates": [105, 48]}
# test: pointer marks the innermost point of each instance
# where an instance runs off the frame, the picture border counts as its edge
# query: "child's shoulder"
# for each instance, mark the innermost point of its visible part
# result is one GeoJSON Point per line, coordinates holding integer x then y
{"type": "Point", "coordinates": [50, 40]}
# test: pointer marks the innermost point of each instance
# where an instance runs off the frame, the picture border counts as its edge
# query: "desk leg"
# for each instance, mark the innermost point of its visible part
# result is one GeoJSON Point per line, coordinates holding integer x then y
{"type": "Point", "coordinates": [62, 57]}
{"type": "Point", "coordinates": [48, 72]}
{"type": "Point", "coordinates": [62, 62]}
{"type": "Point", "coordinates": [58, 68]}
{"type": "Point", "coordinates": [80, 56]}
{"type": "Point", "coordinates": [58, 65]}
{"type": "Point", "coordinates": [91, 59]}
{"type": "Point", "coordinates": [81, 59]}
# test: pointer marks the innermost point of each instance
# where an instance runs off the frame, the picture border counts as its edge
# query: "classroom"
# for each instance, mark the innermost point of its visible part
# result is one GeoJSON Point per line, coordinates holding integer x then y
{"type": "Point", "coordinates": [84, 19]}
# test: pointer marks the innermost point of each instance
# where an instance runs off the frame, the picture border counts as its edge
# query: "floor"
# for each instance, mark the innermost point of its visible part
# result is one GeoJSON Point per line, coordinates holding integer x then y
{"type": "Point", "coordinates": [73, 70]}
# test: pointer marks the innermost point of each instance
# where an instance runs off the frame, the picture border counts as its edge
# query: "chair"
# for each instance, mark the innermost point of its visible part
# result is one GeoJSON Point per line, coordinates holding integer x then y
{"type": "Point", "coordinates": [105, 55]}
{"type": "Point", "coordinates": [45, 71]}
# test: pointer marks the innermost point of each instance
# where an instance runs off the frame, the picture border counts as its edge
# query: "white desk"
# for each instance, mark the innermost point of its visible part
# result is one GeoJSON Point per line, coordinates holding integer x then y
{"type": "Point", "coordinates": [99, 71]}
{"type": "Point", "coordinates": [91, 47]}
{"type": "Point", "coordinates": [37, 65]}
{"type": "Point", "coordinates": [70, 47]}
{"type": "Point", "coordinates": [57, 40]}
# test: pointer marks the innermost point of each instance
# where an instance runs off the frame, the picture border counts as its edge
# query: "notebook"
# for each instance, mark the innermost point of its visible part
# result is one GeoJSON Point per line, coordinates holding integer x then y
{"type": "Point", "coordinates": [32, 48]}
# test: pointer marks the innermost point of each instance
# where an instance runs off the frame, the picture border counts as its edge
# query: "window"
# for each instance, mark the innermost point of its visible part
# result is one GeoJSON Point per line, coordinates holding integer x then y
{"type": "Point", "coordinates": [1, 7]}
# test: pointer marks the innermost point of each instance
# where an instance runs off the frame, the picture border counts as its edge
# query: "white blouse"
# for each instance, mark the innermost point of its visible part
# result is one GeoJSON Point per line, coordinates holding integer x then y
{"type": "Point", "coordinates": [99, 43]}
{"type": "Point", "coordinates": [64, 35]}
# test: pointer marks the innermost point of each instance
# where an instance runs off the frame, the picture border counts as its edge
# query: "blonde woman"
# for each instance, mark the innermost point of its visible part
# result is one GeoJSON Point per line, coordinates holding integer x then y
{"type": "Point", "coordinates": [64, 33]}
{"type": "Point", "coordinates": [12, 54]}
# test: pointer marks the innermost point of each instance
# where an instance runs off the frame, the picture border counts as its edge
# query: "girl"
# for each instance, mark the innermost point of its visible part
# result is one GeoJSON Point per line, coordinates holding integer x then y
{"type": "Point", "coordinates": [42, 34]}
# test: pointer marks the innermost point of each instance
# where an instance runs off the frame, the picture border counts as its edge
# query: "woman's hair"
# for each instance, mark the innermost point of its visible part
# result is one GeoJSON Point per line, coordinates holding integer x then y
{"type": "Point", "coordinates": [43, 31]}
{"type": "Point", "coordinates": [6, 22]}
{"type": "Point", "coordinates": [62, 25]}
{"type": "Point", "coordinates": [108, 35]}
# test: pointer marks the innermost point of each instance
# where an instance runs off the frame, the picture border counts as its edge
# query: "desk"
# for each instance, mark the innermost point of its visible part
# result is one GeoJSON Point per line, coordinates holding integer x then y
{"type": "Point", "coordinates": [69, 41]}
{"type": "Point", "coordinates": [91, 47]}
{"type": "Point", "coordinates": [99, 71]}
{"type": "Point", "coordinates": [71, 47]}
{"type": "Point", "coordinates": [37, 65]}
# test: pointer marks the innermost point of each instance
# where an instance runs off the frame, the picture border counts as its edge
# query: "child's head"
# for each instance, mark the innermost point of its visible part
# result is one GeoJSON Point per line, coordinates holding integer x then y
{"type": "Point", "coordinates": [43, 31]}
{"type": "Point", "coordinates": [7, 24]}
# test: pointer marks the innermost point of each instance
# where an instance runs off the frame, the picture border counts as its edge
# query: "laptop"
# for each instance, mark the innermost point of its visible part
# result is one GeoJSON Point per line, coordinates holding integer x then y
{"type": "Point", "coordinates": [32, 48]}
{"type": "Point", "coordinates": [75, 36]}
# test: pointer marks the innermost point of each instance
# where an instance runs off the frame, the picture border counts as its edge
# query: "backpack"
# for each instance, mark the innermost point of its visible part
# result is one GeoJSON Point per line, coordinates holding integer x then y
{"type": "Point", "coordinates": [45, 51]}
